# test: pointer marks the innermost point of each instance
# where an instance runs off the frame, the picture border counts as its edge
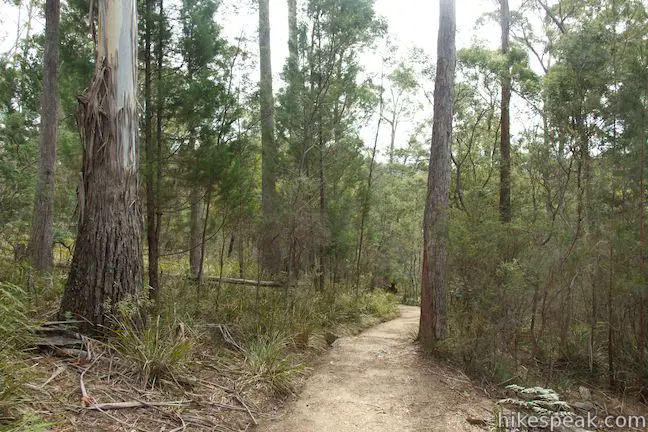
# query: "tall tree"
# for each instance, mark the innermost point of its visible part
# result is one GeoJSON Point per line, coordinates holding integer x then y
{"type": "Point", "coordinates": [40, 239]}
{"type": "Point", "coordinates": [107, 264]}
{"type": "Point", "coordinates": [505, 134]}
{"type": "Point", "coordinates": [152, 221]}
{"type": "Point", "coordinates": [270, 254]}
{"type": "Point", "coordinates": [433, 324]}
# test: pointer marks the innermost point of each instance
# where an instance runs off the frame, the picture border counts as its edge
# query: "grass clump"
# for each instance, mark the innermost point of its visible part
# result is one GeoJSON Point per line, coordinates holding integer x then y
{"type": "Point", "coordinates": [268, 362]}
{"type": "Point", "coordinates": [15, 335]}
{"type": "Point", "coordinates": [154, 352]}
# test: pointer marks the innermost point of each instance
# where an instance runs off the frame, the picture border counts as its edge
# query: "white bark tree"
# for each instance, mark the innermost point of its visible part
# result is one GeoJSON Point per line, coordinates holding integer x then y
{"type": "Point", "coordinates": [107, 264]}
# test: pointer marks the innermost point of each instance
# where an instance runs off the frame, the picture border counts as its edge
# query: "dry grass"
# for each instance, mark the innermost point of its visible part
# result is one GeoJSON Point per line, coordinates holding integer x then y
{"type": "Point", "coordinates": [227, 358]}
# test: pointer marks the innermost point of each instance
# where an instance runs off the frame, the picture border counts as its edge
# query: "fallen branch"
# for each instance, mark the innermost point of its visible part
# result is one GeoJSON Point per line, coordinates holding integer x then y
{"type": "Point", "coordinates": [56, 373]}
{"type": "Point", "coordinates": [134, 404]}
{"type": "Point", "coordinates": [245, 281]}
{"type": "Point", "coordinates": [240, 400]}
{"type": "Point", "coordinates": [86, 399]}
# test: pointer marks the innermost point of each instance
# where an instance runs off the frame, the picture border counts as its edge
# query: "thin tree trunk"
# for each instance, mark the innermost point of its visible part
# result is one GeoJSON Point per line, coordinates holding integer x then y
{"type": "Point", "coordinates": [366, 201]}
{"type": "Point", "coordinates": [150, 177]}
{"type": "Point", "coordinates": [610, 307]}
{"type": "Point", "coordinates": [433, 324]}
{"type": "Point", "coordinates": [294, 87]}
{"type": "Point", "coordinates": [293, 51]}
{"type": "Point", "coordinates": [107, 264]}
{"type": "Point", "coordinates": [195, 232]}
{"type": "Point", "coordinates": [240, 252]}
{"type": "Point", "coordinates": [642, 339]}
{"type": "Point", "coordinates": [158, 136]}
{"type": "Point", "coordinates": [270, 253]}
{"type": "Point", "coordinates": [203, 238]}
{"type": "Point", "coordinates": [505, 136]}
{"type": "Point", "coordinates": [392, 138]}
{"type": "Point", "coordinates": [322, 208]}
{"type": "Point", "coordinates": [41, 237]}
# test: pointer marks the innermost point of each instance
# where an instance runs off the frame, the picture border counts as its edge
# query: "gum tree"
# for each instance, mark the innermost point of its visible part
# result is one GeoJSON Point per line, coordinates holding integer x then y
{"type": "Point", "coordinates": [433, 324]}
{"type": "Point", "coordinates": [107, 264]}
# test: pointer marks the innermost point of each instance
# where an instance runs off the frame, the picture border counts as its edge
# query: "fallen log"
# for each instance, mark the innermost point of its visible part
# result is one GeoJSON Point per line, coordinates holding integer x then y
{"type": "Point", "coordinates": [245, 281]}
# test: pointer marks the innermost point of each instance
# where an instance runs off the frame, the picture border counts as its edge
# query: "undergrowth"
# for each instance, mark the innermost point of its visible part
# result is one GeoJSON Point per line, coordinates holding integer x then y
{"type": "Point", "coordinates": [272, 328]}
{"type": "Point", "coordinates": [158, 351]}
{"type": "Point", "coordinates": [260, 337]}
{"type": "Point", "coordinates": [14, 372]}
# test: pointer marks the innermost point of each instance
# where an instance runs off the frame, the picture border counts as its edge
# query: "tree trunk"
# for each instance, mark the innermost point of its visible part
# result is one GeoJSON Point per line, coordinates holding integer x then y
{"type": "Point", "coordinates": [40, 239]}
{"type": "Point", "coordinates": [293, 51]}
{"type": "Point", "coordinates": [107, 264]}
{"type": "Point", "coordinates": [150, 176]}
{"type": "Point", "coordinates": [366, 199]}
{"type": "Point", "coordinates": [195, 232]}
{"type": "Point", "coordinates": [203, 237]}
{"type": "Point", "coordinates": [270, 254]}
{"type": "Point", "coordinates": [392, 138]}
{"type": "Point", "coordinates": [240, 252]}
{"type": "Point", "coordinates": [322, 207]}
{"type": "Point", "coordinates": [294, 84]}
{"type": "Point", "coordinates": [433, 325]}
{"type": "Point", "coordinates": [159, 108]}
{"type": "Point", "coordinates": [505, 136]}
{"type": "Point", "coordinates": [643, 337]}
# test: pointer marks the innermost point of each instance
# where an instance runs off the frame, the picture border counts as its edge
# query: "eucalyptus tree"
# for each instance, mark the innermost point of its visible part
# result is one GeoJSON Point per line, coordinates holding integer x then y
{"type": "Point", "coordinates": [433, 322]}
{"type": "Point", "coordinates": [151, 174]}
{"type": "Point", "coordinates": [40, 240]}
{"type": "Point", "coordinates": [107, 265]}
{"type": "Point", "coordinates": [269, 244]}
{"type": "Point", "coordinates": [399, 104]}
{"type": "Point", "coordinates": [505, 117]}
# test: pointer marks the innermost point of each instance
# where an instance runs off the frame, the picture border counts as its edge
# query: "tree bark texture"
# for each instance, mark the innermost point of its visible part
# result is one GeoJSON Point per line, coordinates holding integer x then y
{"type": "Point", "coordinates": [41, 236]}
{"type": "Point", "coordinates": [107, 264]}
{"type": "Point", "coordinates": [433, 324]}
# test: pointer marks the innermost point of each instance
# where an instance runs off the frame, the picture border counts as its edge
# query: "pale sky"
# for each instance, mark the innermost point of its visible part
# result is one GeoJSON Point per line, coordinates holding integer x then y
{"type": "Point", "coordinates": [412, 23]}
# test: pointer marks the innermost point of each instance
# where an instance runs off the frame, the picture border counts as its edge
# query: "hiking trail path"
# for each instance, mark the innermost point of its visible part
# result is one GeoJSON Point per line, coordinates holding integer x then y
{"type": "Point", "coordinates": [378, 381]}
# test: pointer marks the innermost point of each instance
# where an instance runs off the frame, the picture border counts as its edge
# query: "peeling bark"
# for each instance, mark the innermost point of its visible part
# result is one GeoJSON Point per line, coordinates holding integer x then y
{"type": "Point", "coordinates": [107, 264]}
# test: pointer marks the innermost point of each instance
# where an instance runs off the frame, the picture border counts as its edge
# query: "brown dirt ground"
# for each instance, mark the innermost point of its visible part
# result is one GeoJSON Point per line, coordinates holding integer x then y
{"type": "Point", "coordinates": [378, 381]}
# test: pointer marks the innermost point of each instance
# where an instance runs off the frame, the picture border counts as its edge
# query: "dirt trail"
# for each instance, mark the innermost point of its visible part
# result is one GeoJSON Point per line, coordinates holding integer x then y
{"type": "Point", "coordinates": [376, 381]}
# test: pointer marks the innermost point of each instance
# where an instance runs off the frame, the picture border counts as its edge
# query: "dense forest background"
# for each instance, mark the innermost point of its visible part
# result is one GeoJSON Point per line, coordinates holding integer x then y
{"type": "Point", "coordinates": [547, 249]}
